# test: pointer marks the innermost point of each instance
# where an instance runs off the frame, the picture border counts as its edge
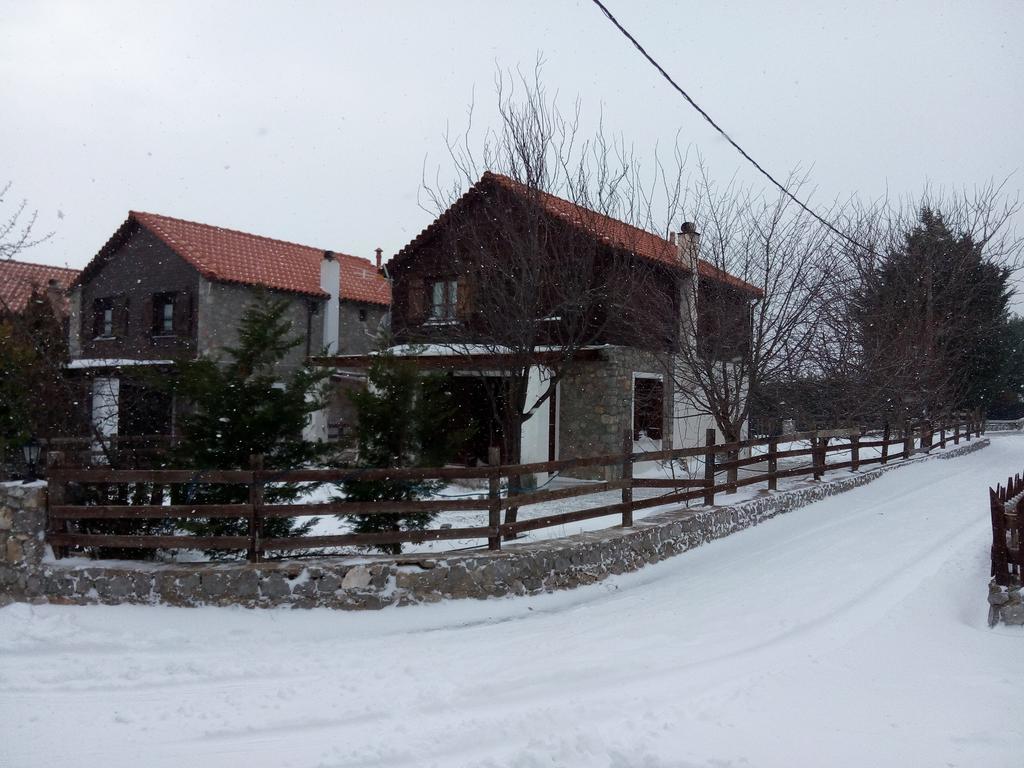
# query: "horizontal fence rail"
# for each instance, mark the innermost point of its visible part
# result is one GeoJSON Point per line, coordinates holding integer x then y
{"type": "Point", "coordinates": [722, 464]}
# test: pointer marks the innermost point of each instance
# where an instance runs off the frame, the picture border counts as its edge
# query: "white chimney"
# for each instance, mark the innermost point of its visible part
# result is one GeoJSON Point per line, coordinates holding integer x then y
{"type": "Point", "coordinates": [688, 245]}
{"type": "Point", "coordinates": [330, 283]}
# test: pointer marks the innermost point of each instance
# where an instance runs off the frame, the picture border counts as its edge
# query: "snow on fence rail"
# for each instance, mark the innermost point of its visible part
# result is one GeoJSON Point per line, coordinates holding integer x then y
{"type": "Point", "coordinates": [63, 515]}
{"type": "Point", "coordinates": [1007, 504]}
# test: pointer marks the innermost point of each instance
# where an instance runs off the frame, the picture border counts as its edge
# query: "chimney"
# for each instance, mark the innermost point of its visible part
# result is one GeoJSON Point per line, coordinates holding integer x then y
{"type": "Point", "coordinates": [688, 245]}
{"type": "Point", "coordinates": [330, 283]}
{"type": "Point", "coordinates": [56, 295]}
{"type": "Point", "coordinates": [379, 251]}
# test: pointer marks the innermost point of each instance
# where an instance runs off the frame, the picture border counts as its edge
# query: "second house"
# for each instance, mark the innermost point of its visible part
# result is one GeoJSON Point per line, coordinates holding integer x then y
{"type": "Point", "coordinates": [163, 289]}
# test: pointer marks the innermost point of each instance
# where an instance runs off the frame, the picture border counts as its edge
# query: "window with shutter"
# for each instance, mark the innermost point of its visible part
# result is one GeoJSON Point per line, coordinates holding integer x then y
{"type": "Point", "coordinates": [103, 318]}
{"type": "Point", "coordinates": [164, 314]}
{"type": "Point", "coordinates": [443, 299]}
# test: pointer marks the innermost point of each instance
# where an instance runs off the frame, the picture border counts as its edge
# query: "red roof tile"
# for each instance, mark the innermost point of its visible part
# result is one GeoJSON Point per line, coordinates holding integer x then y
{"type": "Point", "coordinates": [229, 256]}
{"type": "Point", "coordinates": [612, 231]}
{"type": "Point", "coordinates": [18, 278]}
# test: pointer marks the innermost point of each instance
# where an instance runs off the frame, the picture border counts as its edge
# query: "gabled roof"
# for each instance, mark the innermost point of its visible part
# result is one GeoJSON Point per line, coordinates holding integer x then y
{"type": "Point", "coordinates": [229, 256]}
{"type": "Point", "coordinates": [616, 233]}
{"type": "Point", "coordinates": [18, 278]}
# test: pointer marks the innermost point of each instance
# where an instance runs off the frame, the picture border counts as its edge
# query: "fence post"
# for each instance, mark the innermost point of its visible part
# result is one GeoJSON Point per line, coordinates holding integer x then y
{"type": "Point", "coordinates": [733, 473]}
{"type": "Point", "coordinates": [56, 496]}
{"type": "Point", "coordinates": [999, 556]}
{"type": "Point", "coordinates": [773, 464]}
{"type": "Point", "coordinates": [709, 467]}
{"type": "Point", "coordinates": [494, 496]}
{"type": "Point", "coordinates": [956, 432]}
{"type": "Point", "coordinates": [926, 436]}
{"type": "Point", "coordinates": [627, 479]}
{"type": "Point", "coordinates": [942, 434]}
{"type": "Point", "coordinates": [885, 444]}
{"type": "Point", "coordinates": [968, 428]}
{"type": "Point", "coordinates": [816, 455]}
{"type": "Point", "coordinates": [255, 509]}
{"type": "Point", "coordinates": [855, 452]}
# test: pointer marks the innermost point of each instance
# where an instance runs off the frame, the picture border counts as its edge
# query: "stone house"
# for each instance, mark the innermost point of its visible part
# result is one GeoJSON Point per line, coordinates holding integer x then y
{"type": "Point", "coordinates": [619, 382]}
{"type": "Point", "coordinates": [163, 289]}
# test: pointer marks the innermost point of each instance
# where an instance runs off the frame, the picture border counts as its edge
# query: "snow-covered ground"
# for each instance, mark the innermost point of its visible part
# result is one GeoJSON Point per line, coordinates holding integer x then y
{"type": "Point", "coordinates": [848, 633]}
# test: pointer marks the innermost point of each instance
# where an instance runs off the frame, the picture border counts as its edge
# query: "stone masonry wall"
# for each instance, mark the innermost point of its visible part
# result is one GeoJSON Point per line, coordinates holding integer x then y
{"type": "Point", "coordinates": [1005, 604]}
{"type": "Point", "coordinates": [22, 525]}
{"type": "Point", "coordinates": [379, 581]}
{"type": "Point", "coordinates": [596, 404]}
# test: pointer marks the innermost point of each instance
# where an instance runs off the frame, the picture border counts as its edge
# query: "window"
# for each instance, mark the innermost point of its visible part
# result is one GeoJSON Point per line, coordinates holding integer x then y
{"type": "Point", "coordinates": [443, 299]}
{"type": "Point", "coordinates": [103, 318]}
{"type": "Point", "coordinates": [163, 314]}
{"type": "Point", "coordinates": [648, 407]}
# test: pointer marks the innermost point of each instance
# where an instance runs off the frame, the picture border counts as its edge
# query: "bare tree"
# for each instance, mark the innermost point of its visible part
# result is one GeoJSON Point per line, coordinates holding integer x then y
{"type": "Point", "coordinates": [913, 326]}
{"type": "Point", "coordinates": [552, 251]}
{"type": "Point", "coordinates": [540, 279]}
{"type": "Point", "coordinates": [752, 314]}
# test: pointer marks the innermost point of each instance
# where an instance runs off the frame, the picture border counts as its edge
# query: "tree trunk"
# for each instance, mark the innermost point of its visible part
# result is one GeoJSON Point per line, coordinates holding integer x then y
{"type": "Point", "coordinates": [512, 429]}
{"type": "Point", "coordinates": [513, 439]}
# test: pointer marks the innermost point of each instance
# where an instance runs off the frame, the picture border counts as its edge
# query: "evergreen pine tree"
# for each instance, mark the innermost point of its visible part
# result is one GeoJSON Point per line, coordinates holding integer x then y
{"type": "Point", "coordinates": [405, 420]}
{"type": "Point", "coordinates": [931, 320]}
{"type": "Point", "coordinates": [249, 404]}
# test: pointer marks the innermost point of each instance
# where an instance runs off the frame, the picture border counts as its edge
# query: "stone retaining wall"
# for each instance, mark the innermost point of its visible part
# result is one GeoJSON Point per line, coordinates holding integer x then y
{"type": "Point", "coordinates": [376, 582]}
{"type": "Point", "coordinates": [1005, 604]}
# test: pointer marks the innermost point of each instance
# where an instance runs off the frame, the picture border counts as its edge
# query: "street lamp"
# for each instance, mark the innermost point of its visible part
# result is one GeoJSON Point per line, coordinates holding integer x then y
{"type": "Point", "coordinates": [31, 451]}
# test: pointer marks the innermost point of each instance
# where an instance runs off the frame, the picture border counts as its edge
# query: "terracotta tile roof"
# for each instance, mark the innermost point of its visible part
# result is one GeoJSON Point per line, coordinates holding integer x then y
{"type": "Point", "coordinates": [612, 231]}
{"type": "Point", "coordinates": [229, 256]}
{"type": "Point", "coordinates": [18, 278]}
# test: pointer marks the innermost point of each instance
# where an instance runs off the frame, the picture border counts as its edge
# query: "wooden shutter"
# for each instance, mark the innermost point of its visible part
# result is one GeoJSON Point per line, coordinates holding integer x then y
{"type": "Point", "coordinates": [183, 315]}
{"type": "Point", "coordinates": [149, 315]}
{"type": "Point", "coordinates": [121, 316]}
{"type": "Point", "coordinates": [190, 313]}
{"type": "Point", "coordinates": [415, 297]}
{"type": "Point", "coordinates": [88, 319]}
{"type": "Point", "coordinates": [464, 295]}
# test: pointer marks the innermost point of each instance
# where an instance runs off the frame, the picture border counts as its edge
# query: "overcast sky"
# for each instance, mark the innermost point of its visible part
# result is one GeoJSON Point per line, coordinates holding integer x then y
{"type": "Point", "coordinates": [312, 122]}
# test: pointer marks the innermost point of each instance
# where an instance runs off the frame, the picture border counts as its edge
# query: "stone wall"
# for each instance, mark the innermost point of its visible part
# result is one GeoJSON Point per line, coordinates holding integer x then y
{"type": "Point", "coordinates": [22, 525]}
{"type": "Point", "coordinates": [596, 404]}
{"type": "Point", "coordinates": [378, 581]}
{"type": "Point", "coordinates": [359, 336]}
{"type": "Point", "coordinates": [221, 306]}
{"type": "Point", "coordinates": [1005, 604]}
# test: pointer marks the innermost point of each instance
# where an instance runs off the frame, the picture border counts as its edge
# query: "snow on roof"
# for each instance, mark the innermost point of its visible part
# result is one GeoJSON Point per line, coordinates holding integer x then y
{"type": "Point", "coordinates": [113, 362]}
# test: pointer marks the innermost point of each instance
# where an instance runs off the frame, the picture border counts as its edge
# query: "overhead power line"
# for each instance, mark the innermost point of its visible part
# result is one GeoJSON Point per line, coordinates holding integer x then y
{"type": "Point", "coordinates": [719, 128]}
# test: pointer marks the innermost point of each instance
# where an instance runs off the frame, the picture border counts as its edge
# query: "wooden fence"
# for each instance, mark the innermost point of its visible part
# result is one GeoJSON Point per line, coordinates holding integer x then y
{"type": "Point", "coordinates": [1007, 505]}
{"type": "Point", "coordinates": [720, 474]}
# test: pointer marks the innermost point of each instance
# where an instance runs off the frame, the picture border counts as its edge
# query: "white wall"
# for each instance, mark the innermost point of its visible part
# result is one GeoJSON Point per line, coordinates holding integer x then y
{"type": "Point", "coordinates": [105, 396]}
{"type": "Point", "coordinates": [535, 429]}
